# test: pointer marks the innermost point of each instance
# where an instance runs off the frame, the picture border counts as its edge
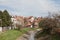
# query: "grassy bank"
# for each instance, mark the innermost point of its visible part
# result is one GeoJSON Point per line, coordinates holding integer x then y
{"type": "Point", "coordinates": [13, 34]}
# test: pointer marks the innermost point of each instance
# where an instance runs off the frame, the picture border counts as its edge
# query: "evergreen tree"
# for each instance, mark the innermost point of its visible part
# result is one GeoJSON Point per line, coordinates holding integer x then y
{"type": "Point", "coordinates": [5, 18]}
{"type": "Point", "coordinates": [1, 18]}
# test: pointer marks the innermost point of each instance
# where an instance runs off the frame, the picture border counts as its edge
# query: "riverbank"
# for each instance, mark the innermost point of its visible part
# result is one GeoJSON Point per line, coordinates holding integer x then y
{"type": "Point", "coordinates": [29, 35]}
{"type": "Point", "coordinates": [13, 34]}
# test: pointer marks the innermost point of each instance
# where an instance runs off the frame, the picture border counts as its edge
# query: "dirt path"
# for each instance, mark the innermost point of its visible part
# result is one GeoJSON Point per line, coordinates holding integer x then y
{"type": "Point", "coordinates": [25, 36]}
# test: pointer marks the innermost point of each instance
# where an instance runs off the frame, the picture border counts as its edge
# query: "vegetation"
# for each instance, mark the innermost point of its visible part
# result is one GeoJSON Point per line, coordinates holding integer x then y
{"type": "Point", "coordinates": [50, 26]}
{"type": "Point", "coordinates": [10, 35]}
{"type": "Point", "coordinates": [5, 18]}
{"type": "Point", "coordinates": [13, 34]}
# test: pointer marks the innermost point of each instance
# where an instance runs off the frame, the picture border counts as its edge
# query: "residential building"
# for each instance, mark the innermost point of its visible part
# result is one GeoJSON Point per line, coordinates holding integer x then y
{"type": "Point", "coordinates": [17, 20]}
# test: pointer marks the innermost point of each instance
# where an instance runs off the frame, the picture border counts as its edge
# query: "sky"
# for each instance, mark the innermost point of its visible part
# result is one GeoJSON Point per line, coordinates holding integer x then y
{"type": "Point", "coordinates": [30, 7]}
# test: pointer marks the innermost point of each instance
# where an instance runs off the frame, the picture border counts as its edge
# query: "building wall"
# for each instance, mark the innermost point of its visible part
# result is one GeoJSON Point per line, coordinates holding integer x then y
{"type": "Point", "coordinates": [0, 29]}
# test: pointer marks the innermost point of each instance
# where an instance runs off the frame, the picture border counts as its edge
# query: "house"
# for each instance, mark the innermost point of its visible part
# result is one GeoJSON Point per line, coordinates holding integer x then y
{"type": "Point", "coordinates": [17, 20]}
{"type": "Point", "coordinates": [14, 21]}
{"type": "Point", "coordinates": [25, 21]}
{"type": "Point", "coordinates": [29, 21]}
{"type": "Point", "coordinates": [36, 22]}
{"type": "Point", "coordinates": [20, 20]}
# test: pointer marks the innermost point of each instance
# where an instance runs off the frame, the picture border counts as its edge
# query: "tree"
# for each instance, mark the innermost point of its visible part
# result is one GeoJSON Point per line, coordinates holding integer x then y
{"type": "Point", "coordinates": [0, 18]}
{"type": "Point", "coordinates": [50, 26]}
{"type": "Point", "coordinates": [5, 18]}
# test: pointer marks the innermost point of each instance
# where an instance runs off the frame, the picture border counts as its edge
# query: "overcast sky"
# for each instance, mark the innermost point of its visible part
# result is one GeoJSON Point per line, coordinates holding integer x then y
{"type": "Point", "coordinates": [30, 7]}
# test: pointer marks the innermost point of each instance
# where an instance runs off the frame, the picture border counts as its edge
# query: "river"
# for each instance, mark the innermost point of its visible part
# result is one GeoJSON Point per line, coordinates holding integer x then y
{"type": "Point", "coordinates": [31, 37]}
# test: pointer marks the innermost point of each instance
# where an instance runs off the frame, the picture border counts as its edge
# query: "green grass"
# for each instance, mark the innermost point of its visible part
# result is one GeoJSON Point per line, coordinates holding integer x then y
{"type": "Point", "coordinates": [13, 34]}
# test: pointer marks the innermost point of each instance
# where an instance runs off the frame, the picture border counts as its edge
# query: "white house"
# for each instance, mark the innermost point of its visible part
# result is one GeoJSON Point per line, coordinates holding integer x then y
{"type": "Point", "coordinates": [14, 21]}
{"type": "Point", "coordinates": [31, 19]}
